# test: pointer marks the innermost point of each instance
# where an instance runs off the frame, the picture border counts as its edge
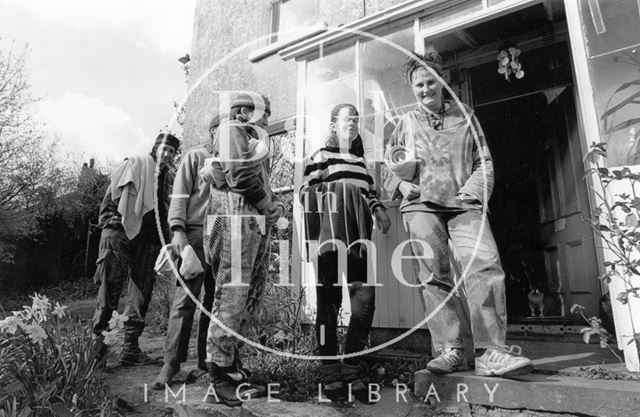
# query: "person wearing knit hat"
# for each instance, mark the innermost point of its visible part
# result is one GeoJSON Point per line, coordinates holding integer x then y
{"type": "Point", "coordinates": [130, 242]}
{"type": "Point", "coordinates": [252, 101]}
{"type": "Point", "coordinates": [240, 189]}
{"type": "Point", "coordinates": [186, 217]}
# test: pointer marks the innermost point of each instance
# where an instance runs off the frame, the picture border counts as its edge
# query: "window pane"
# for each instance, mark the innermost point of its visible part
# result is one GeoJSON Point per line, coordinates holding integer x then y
{"type": "Point", "coordinates": [331, 80]}
{"type": "Point", "coordinates": [385, 94]}
{"type": "Point", "coordinates": [456, 12]}
{"type": "Point", "coordinates": [613, 48]}
{"type": "Point", "coordinates": [296, 14]}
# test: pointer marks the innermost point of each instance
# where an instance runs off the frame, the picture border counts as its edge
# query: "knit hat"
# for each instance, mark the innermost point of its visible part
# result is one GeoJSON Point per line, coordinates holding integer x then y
{"type": "Point", "coordinates": [252, 101]}
{"type": "Point", "coordinates": [168, 139]}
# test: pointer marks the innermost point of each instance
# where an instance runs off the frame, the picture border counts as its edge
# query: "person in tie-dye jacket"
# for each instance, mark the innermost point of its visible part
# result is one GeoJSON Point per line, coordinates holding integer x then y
{"type": "Point", "coordinates": [443, 202]}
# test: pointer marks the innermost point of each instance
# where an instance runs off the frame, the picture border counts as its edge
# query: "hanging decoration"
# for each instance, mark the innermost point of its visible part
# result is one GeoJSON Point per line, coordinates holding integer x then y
{"type": "Point", "coordinates": [508, 63]}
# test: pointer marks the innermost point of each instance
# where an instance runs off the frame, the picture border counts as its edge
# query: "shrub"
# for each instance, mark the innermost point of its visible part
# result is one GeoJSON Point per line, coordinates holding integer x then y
{"type": "Point", "coordinates": [296, 378]}
{"type": "Point", "coordinates": [280, 326]}
{"type": "Point", "coordinates": [49, 364]}
{"type": "Point", "coordinates": [616, 220]}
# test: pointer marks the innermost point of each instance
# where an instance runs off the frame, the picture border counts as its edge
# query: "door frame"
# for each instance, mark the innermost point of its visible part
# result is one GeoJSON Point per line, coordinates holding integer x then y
{"type": "Point", "coordinates": [586, 115]}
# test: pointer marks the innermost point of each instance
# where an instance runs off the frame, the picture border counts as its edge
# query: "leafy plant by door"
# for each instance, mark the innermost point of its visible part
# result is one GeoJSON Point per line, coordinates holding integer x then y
{"type": "Point", "coordinates": [615, 220]}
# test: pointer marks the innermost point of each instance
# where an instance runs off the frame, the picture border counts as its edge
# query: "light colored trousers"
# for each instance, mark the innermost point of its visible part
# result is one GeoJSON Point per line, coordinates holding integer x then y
{"type": "Point", "coordinates": [481, 271]}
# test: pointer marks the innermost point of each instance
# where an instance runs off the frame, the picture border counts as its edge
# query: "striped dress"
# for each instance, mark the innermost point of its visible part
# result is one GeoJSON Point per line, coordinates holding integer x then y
{"type": "Point", "coordinates": [338, 197]}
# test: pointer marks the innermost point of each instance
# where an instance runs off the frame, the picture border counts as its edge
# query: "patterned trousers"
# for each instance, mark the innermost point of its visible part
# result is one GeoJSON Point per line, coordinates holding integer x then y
{"type": "Point", "coordinates": [238, 249]}
{"type": "Point", "coordinates": [122, 260]}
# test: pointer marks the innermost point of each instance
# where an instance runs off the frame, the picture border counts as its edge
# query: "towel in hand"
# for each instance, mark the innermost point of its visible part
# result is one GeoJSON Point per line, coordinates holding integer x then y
{"type": "Point", "coordinates": [401, 162]}
{"type": "Point", "coordinates": [132, 185]}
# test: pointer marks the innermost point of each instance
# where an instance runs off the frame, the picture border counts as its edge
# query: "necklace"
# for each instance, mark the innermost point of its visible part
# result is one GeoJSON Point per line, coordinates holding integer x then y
{"type": "Point", "coordinates": [436, 120]}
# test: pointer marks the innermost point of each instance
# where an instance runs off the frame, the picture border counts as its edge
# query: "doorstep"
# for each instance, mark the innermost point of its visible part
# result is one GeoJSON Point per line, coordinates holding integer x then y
{"type": "Point", "coordinates": [551, 393]}
{"type": "Point", "coordinates": [552, 387]}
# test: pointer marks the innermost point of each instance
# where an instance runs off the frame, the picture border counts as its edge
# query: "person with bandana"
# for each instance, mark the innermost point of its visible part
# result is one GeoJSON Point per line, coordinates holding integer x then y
{"type": "Point", "coordinates": [130, 242]}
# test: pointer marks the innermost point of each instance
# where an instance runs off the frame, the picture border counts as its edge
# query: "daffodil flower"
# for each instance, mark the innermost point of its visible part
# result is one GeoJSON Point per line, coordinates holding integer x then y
{"type": "Point", "coordinates": [58, 310]}
{"type": "Point", "coordinates": [117, 320]}
{"type": "Point", "coordinates": [35, 333]}
{"type": "Point", "coordinates": [40, 302]}
{"type": "Point", "coordinates": [10, 324]}
{"type": "Point", "coordinates": [110, 337]}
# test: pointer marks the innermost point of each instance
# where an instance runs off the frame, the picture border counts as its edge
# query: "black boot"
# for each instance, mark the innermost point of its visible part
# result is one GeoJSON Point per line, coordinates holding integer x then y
{"type": "Point", "coordinates": [331, 381]}
{"type": "Point", "coordinates": [132, 354]}
{"type": "Point", "coordinates": [231, 386]}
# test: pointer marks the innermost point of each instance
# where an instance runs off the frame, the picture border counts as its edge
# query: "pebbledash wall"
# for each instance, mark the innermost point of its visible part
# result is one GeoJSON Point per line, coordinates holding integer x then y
{"type": "Point", "coordinates": [307, 55]}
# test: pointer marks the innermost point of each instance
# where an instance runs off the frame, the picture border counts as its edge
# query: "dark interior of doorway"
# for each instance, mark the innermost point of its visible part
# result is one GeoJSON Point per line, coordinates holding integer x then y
{"type": "Point", "coordinates": [514, 128]}
{"type": "Point", "coordinates": [531, 128]}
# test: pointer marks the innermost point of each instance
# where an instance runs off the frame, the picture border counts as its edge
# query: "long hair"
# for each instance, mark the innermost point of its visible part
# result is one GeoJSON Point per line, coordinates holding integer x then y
{"type": "Point", "coordinates": [357, 146]}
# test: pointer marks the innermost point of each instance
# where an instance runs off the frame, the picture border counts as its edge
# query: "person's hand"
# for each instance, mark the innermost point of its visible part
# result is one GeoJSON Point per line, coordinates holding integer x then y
{"type": "Point", "coordinates": [409, 190]}
{"type": "Point", "coordinates": [115, 220]}
{"type": "Point", "coordinates": [179, 240]}
{"type": "Point", "coordinates": [382, 220]}
{"type": "Point", "coordinates": [273, 213]}
{"type": "Point", "coordinates": [467, 198]}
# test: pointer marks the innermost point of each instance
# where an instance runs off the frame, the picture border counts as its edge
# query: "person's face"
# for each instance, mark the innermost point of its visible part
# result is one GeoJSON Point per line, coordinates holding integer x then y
{"type": "Point", "coordinates": [263, 122]}
{"type": "Point", "coordinates": [251, 115]}
{"type": "Point", "coordinates": [165, 154]}
{"type": "Point", "coordinates": [427, 89]}
{"type": "Point", "coordinates": [346, 127]}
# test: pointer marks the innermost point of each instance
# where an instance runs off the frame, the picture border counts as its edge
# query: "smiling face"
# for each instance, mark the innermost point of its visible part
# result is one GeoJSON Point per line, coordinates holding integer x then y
{"type": "Point", "coordinates": [165, 154]}
{"type": "Point", "coordinates": [427, 89]}
{"type": "Point", "coordinates": [346, 126]}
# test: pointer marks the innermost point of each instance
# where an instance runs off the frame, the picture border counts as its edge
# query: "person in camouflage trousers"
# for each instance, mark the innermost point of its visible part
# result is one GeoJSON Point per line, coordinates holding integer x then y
{"type": "Point", "coordinates": [241, 212]}
{"type": "Point", "coordinates": [130, 242]}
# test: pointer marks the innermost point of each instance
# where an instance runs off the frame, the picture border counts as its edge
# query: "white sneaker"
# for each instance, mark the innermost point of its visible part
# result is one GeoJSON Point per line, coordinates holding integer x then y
{"type": "Point", "coordinates": [503, 362]}
{"type": "Point", "coordinates": [450, 360]}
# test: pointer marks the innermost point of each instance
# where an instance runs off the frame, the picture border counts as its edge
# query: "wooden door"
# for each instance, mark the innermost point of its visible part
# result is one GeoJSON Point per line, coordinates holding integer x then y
{"type": "Point", "coordinates": [568, 242]}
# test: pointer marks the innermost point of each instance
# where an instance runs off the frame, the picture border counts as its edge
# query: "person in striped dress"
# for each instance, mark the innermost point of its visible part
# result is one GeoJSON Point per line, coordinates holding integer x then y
{"type": "Point", "coordinates": [339, 200]}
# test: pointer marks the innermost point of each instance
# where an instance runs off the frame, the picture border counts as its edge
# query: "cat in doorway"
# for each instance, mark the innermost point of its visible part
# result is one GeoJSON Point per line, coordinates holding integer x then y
{"type": "Point", "coordinates": [536, 300]}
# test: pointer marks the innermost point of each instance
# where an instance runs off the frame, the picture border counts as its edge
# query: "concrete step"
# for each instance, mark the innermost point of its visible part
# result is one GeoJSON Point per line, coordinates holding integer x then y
{"type": "Point", "coordinates": [548, 393]}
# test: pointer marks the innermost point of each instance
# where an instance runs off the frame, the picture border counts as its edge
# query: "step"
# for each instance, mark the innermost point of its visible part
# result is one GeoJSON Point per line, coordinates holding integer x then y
{"type": "Point", "coordinates": [550, 393]}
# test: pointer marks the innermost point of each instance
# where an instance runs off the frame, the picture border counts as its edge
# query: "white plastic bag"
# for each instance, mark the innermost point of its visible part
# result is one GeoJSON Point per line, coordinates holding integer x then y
{"type": "Point", "coordinates": [191, 266]}
{"type": "Point", "coordinates": [163, 262]}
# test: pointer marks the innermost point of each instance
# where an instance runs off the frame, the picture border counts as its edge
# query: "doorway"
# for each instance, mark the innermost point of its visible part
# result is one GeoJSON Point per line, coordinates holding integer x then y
{"type": "Point", "coordinates": [539, 204]}
{"type": "Point", "coordinates": [540, 197]}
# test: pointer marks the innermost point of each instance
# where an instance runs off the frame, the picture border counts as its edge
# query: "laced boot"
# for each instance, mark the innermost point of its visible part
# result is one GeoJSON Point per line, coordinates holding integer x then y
{"type": "Point", "coordinates": [132, 355]}
{"type": "Point", "coordinates": [231, 386]}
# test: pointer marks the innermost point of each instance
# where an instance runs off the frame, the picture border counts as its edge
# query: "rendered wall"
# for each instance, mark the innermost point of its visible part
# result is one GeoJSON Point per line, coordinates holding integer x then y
{"type": "Point", "coordinates": [224, 34]}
